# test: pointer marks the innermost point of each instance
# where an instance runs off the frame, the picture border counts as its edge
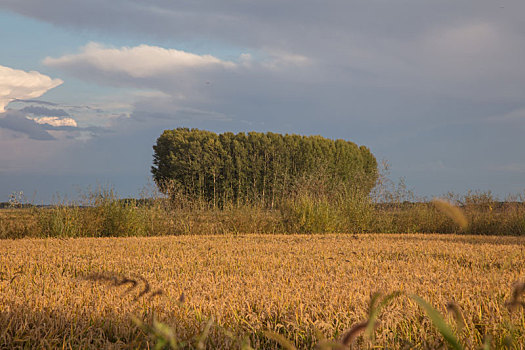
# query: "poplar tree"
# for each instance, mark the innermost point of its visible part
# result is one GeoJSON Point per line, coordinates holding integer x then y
{"type": "Point", "coordinates": [254, 168]}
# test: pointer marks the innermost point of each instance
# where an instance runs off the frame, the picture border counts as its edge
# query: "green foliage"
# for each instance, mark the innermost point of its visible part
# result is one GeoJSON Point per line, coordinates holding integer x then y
{"type": "Point", "coordinates": [315, 204]}
{"type": "Point", "coordinates": [61, 221]}
{"type": "Point", "coordinates": [318, 204]}
{"type": "Point", "coordinates": [226, 169]}
{"type": "Point", "coordinates": [439, 323]}
{"type": "Point", "coordinates": [101, 214]}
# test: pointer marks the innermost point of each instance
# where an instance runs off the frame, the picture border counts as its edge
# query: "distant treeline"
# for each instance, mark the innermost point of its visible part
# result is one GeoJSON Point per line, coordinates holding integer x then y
{"type": "Point", "coordinates": [8, 205]}
{"type": "Point", "coordinates": [254, 167]}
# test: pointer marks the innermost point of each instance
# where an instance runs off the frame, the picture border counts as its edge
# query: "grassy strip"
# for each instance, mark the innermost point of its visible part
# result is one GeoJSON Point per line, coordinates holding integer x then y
{"type": "Point", "coordinates": [109, 216]}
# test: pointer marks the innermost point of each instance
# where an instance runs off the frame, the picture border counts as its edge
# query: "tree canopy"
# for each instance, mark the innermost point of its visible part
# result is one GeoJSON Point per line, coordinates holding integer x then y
{"type": "Point", "coordinates": [254, 167]}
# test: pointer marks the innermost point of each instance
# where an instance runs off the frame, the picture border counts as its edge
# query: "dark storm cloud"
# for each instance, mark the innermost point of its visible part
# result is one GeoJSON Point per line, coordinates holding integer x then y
{"type": "Point", "coordinates": [16, 121]}
{"type": "Point", "coordinates": [43, 111]}
{"type": "Point", "coordinates": [260, 21]}
{"type": "Point", "coordinates": [93, 130]}
{"type": "Point", "coordinates": [47, 103]}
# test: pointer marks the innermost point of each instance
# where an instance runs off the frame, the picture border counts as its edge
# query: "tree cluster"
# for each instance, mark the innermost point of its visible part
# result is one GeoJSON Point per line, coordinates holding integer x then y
{"type": "Point", "coordinates": [253, 168]}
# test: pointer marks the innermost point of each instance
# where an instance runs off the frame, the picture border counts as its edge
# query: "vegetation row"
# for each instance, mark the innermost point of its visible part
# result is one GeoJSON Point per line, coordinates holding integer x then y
{"type": "Point", "coordinates": [103, 214]}
{"type": "Point", "coordinates": [256, 167]}
{"type": "Point", "coordinates": [262, 183]}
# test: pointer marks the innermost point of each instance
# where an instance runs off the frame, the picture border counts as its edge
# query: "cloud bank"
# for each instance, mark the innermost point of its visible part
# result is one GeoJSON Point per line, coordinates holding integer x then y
{"type": "Point", "coordinates": [16, 121]}
{"type": "Point", "coordinates": [43, 111]}
{"type": "Point", "coordinates": [46, 124]}
{"type": "Point", "coordinates": [18, 84]}
{"type": "Point", "coordinates": [137, 62]}
{"type": "Point", "coordinates": [141, 64]}
{"type": "Point", "coordinates": [180, 85]}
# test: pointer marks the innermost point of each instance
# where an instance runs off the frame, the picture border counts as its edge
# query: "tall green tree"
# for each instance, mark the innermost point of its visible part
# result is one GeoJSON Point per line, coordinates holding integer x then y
{"type": "Point", "coordinates": [257, 168]}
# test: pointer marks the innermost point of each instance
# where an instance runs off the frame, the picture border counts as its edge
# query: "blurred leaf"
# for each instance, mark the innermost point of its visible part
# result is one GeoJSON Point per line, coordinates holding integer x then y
{"type": "Point", "coordinates": [285, 343]}
{"type": "Point", "coordinates": [438, 322]}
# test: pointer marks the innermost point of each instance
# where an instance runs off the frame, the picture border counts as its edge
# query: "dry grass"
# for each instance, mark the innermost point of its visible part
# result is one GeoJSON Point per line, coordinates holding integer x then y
{"type": "Point", "coordinates": [18, 223]}
{"type": "Point", "coordinates": [83, 293]}
{"type": "Point", "coordinates": [453, 212]}
{"type": "Point", "coordinates": [104, 215]}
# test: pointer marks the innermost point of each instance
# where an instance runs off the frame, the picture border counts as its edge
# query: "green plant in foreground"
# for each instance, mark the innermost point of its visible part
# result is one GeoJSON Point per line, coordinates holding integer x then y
{"type": "Point", "coordinates": [367, 327]}
{"type": "Point", "coordinates": [438, 322]}
{"type": "Point", "coordinates": [161, 333]}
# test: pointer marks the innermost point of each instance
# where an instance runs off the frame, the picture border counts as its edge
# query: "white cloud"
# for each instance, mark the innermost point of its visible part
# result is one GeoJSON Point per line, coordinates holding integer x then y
{"type": "Point", "coordinates": [281, 59]}
{"type": "Point", "coordinates": [18, 84]}
{"type": "Point", "coordinates": [185, 81]}
{"type": "Point", "coordinates": [125, 65]}
{"type": "Point", "coordinates": [139, 61]}
{"type": "Point", "coordinates": [56, 121]}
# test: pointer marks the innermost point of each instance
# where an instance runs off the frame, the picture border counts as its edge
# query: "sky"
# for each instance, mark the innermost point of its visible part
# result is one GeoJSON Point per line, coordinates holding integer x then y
{"type": "Point", "coordinates": [435, 88]}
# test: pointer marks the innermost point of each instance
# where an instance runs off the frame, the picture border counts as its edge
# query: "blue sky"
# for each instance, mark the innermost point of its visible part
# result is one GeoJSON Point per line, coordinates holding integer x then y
{"type": "Point", "coordinates": [435, 88]}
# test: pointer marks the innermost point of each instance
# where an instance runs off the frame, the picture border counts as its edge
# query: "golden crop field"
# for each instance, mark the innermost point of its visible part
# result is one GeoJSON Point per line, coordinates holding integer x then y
{"type": "Point", "coordinates": [226, 291]}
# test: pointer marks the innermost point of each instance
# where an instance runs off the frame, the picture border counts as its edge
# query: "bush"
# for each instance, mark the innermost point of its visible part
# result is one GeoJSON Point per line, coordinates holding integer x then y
{"type": "Point", "coordinates": [101, 214]}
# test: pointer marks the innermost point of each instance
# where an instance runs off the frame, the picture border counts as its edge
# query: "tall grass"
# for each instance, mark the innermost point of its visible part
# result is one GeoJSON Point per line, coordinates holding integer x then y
{"type": "Point", "coordinates": [315, 204]}
{"type": "Point", "coordinates": [99, 214]}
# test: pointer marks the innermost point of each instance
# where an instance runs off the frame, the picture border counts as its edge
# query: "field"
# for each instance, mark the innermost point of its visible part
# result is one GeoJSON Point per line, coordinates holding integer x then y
{"type": "Point", "coordinates": [226, 291]}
